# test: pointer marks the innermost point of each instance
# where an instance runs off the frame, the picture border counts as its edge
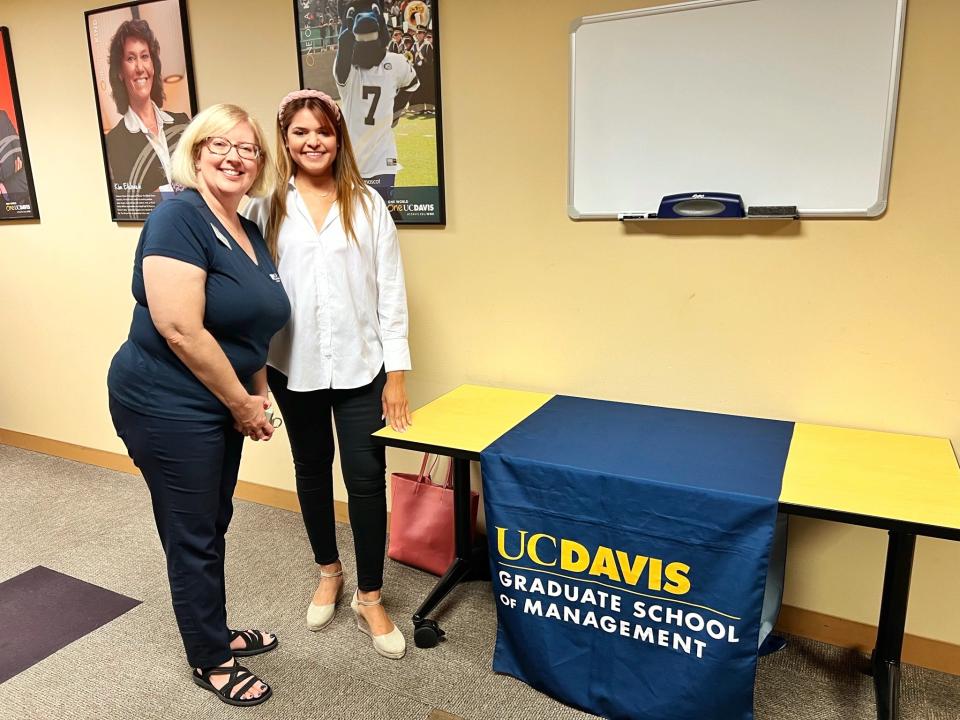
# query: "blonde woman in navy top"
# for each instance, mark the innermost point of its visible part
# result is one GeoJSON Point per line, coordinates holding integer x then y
{"type": "Point", "coordinates": [190, 381]}
{"type": "Point", "coordinates": [343, 356]}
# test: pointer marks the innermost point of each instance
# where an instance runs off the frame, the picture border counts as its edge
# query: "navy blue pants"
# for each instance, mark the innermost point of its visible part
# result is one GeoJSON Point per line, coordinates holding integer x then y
{"type": "Point", "coordinates": [307, 420]}
{"type": "Point", "coordinates": [191, 470]}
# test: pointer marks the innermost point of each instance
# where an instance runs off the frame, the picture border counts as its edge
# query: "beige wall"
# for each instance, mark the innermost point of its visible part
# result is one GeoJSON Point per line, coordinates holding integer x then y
{"type": "Point", "coordinates": [838, 322]}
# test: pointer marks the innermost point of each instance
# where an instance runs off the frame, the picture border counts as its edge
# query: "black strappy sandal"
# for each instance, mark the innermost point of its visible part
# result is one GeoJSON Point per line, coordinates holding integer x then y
{"type": "Point", "coordinates": [239, 675]}
{"type": "Point", "coordinates": [254, 640]}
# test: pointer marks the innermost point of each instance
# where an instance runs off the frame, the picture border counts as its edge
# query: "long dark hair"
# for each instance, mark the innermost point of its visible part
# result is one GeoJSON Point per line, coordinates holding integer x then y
{"type": "Point", "coordinates": [351, 189]}
{"type": "Point", "coordinates": [137, 30]}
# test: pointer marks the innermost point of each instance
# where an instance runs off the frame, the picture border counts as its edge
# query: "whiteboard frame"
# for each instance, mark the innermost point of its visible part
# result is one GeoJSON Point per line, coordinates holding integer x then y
{"type": "Point", "coordinates": [875, 210]}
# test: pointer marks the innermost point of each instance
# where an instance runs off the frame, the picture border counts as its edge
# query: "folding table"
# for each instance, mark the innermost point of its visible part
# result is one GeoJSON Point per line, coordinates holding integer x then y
{"type": "Point", "coordinates": [908, 485]}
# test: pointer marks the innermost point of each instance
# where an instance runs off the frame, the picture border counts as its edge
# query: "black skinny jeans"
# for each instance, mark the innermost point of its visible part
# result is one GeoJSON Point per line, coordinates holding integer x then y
{"type": "Point", "coordinates": [357, 413]}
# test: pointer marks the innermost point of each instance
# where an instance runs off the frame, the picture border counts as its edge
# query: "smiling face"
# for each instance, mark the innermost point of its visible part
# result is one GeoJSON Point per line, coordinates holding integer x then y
{"type": "Point", "coordinates": [229, 176]}
{"type": "Point", "coordinates": [312, 143]}
{"type": "Point", "coordinates": [137, 70]}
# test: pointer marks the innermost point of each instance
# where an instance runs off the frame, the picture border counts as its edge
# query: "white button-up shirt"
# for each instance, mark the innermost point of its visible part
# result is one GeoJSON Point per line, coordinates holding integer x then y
{"type": "Point", "coordinates": [158, 142]}
{"type": "Point", "coordinates": [348, 299]}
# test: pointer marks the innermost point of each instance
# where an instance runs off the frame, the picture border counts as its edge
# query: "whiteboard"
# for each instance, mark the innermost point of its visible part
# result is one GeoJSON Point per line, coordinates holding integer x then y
{"type": "Point", "coordinates": [785, 102]}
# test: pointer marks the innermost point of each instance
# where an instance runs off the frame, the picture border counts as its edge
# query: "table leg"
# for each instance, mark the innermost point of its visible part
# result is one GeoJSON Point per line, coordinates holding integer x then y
{"type": "Point", "coordinates": [462, 532]}
{"type": "Point", "coordinates": [427, 632]}
{"type": "Point", "coordinates": [893, 617]}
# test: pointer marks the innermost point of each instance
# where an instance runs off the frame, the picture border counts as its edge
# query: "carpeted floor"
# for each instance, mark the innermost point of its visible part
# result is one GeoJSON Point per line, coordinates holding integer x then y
{"type": "Point", "coordinates": [95, 525]}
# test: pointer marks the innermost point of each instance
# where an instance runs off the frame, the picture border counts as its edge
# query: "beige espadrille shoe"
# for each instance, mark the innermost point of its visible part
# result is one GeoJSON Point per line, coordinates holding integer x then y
{"type": "Point", "coordinates": [392, 645]}
{"type": "Point", "coordinates": [319, 616]}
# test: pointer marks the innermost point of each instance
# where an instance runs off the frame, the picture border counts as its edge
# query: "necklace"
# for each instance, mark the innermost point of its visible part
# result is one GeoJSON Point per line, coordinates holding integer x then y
{"type": "Point", "coordinates": [313, 191]}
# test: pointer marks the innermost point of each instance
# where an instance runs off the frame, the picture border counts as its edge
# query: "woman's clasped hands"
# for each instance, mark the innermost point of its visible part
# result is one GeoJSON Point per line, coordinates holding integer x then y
{"type": "Point", "coordinates": [250, 418]}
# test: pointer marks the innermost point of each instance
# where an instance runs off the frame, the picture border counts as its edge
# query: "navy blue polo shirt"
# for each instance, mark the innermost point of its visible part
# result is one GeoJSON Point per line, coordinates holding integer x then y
{"type": "Point", "coordinates": [245, 306]}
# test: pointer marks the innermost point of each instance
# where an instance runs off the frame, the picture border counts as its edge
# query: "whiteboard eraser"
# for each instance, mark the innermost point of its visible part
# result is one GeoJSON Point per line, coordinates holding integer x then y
{"type": "Point", "coordinates": [701, 205]}
{"type": "Point", "coordinates": [773, 211]}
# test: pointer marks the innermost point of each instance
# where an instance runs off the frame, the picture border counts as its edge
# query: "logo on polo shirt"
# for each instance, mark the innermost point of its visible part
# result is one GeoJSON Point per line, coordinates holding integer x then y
{"type": "Point", "coordinates": [275, 277]}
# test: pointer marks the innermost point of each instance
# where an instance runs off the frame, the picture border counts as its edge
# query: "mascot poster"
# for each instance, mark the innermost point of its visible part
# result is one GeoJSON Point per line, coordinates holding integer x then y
{"type": "Point", "coordinates": [381, 59]}
{"type": "Point", "coordinates": [143, 84]}
{"type": "Point", "coordinates": [18, 201]}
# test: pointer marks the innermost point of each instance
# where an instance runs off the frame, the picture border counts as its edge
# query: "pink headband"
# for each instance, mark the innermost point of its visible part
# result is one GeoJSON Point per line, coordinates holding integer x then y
{"type": "Point", "coordinates": [303, 95]}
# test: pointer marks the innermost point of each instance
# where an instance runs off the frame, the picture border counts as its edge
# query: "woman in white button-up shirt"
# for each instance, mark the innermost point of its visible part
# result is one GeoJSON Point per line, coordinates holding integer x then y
{"type": "Point", "coordinates": [343, 353]}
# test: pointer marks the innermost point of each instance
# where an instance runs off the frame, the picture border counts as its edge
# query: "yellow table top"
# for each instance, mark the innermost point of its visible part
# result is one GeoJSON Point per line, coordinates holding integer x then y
{"type": "Point", "coordinates": [909, 478]}
{"type": "Point", "coordinates": [904, 478]}
{"type": "Point", "coordinates": [468, 418]}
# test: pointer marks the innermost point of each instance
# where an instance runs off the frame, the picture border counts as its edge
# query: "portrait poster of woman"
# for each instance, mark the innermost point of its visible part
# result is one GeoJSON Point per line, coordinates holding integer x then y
{"type": "Point", "coordinates": [145, 94]}
{"type": "Point", "coordinates": [18, 200]}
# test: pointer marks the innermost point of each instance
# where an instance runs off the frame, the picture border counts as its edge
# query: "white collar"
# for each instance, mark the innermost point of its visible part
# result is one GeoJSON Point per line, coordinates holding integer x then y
{"type": "Point", "coordinates": [134, 124]}
{"type": "Point", "coordinates": [293, 191]}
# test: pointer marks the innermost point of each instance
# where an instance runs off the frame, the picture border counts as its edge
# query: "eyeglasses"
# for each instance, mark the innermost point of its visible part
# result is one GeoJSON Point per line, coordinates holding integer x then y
{"type": "Point", "coordinates": [222, 146]}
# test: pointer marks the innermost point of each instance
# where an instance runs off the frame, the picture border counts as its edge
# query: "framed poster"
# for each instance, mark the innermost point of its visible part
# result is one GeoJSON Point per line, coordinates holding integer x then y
{"type": "Point", "coordinates": [143, 84]}
{"type": "Point", "coordinates": [18, 199]}
{"type": "Point", "coordinates": [382, 59]}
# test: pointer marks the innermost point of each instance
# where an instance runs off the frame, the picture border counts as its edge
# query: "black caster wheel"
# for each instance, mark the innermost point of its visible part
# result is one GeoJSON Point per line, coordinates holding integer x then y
{"type": "Point", "coordinates": [427, 634]}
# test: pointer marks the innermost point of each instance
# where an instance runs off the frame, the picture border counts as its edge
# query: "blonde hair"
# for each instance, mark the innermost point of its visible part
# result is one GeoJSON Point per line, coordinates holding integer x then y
{"type": "Point", "coordinates": [352, 191]}
{"type": "Point", "coordinates": [218, 120]}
